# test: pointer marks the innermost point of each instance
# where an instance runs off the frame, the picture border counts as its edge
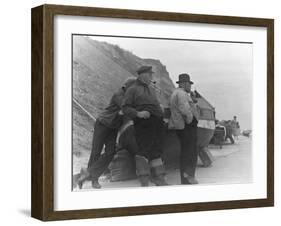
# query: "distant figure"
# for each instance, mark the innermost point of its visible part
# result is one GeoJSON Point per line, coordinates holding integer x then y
{"type": "Point", "coordinates": [229, 131]}
{"type": "Point", "coordinates": [235, 127]}
{"type": "Point", "coordinates": [142, 106]}
{"type": "Point", "coordinates": [184, 119]}
{"type": "Point", "coordinates": [105, 133]}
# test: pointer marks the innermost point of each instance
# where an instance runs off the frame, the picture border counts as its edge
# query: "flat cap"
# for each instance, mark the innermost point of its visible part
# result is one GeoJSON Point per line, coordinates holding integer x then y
{"type": "Point", "coordinates": [144, 69]}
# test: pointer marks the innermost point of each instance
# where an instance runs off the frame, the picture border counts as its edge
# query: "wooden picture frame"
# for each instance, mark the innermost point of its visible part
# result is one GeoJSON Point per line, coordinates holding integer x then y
{"type": "Point", "coordinates": [42, 203]}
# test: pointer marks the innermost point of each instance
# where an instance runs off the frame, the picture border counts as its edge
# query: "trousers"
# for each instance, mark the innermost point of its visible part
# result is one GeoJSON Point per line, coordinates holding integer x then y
{"type": "Point", "coordinates": [188, 153]}
{"type": "Point", "coordinates": [103, 136]}
{"type": "Point", "coordinates": [149, 136]}
{"type": "Point", "coordinates": [146, 162]}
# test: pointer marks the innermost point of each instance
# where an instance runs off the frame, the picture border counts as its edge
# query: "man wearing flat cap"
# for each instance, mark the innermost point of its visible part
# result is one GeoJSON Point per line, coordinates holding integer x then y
{"type": "Point", "coordinates": [105, 133]}
{"type": "Point", "coordinates": [183, 119]}
{"type": "Point", "coordinates": [142, 106]}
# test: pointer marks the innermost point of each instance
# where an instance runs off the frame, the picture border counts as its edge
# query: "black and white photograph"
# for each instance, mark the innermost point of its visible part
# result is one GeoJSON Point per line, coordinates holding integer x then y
{"type": "Point", "coordinates": [150, 111]}
{"type": "Point", "coordinates": [141, 112]}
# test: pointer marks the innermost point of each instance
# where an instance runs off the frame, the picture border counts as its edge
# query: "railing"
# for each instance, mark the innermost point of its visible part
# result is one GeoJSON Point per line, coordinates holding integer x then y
{"type": "Point", "coordinates": [88, 113]}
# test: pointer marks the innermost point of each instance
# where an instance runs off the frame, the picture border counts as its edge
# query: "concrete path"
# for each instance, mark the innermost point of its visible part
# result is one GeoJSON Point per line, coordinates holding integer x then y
{"type": "Point", "coordinates": [231, 164]}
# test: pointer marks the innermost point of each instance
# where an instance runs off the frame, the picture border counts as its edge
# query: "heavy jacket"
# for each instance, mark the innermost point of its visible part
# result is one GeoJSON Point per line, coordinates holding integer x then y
{"type": "Point", "coordinates": [111, 116]}
{"type": "Point", "coordinates": [182, 109]}
{"type": "Point", "coordinates": [140, 97]}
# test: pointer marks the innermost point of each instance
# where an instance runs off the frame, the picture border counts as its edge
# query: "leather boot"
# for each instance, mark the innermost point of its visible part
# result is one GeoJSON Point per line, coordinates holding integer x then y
{"type": "Point", "coordinates": [159, 180]}
{"type": "Point", "coordinates": [96, 184]}
{"type": "Point", "coordinates": [144, 180]}
{"type": "Point", "coordinates": [84, 175]}
{"type": "Point", "coordinates": [142, 170]}
{"type": "Point", "coordinates": [186, 179]}
{"type": "Point", "coordinates": [158, 172]}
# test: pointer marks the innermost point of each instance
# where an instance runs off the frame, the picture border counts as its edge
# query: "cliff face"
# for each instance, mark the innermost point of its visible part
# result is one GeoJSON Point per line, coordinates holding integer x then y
{"type": "Point", "coordinates": [99, 70]}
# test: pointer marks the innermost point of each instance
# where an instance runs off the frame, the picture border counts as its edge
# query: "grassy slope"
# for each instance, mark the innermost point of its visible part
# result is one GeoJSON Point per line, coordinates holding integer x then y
{"type": "Point", "coordinates": [99, 70]}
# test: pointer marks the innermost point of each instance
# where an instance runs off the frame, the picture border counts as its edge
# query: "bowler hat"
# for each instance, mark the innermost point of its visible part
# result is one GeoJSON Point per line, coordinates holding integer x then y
{"type": "Point", "coordinates": [184, 78]}
{"type": "Point", "coordinates": [144, 69]}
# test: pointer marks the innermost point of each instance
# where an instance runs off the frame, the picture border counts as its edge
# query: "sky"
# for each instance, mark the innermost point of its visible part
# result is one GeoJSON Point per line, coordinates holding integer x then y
{"type": "Point", "coordinates": [221, 71]}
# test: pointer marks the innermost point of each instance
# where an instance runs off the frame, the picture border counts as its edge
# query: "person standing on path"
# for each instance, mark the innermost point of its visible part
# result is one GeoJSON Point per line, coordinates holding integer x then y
{"type": "Point", "coordinates": [184, 119]}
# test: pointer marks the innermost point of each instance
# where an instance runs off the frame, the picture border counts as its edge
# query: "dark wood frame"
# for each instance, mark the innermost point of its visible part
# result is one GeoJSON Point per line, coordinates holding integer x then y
{"type": "Point", "coordinates": [42, 202]}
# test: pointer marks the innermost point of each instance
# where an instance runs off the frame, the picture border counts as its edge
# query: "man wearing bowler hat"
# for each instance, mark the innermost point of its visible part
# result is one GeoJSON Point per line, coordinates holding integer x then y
{"type": "Point", "coordinates": [142, 106]}
{"type": "Point", "coordinates": [183, 119]}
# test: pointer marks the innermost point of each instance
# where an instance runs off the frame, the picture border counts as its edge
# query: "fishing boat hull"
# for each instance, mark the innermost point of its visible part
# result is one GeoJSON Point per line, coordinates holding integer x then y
{"type": "Point", "coordinates": [171, 149]}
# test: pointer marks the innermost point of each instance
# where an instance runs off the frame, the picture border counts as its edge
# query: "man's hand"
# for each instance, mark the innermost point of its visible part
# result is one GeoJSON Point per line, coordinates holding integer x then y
{"type": "Point", "coordinates": [143, 114]}
{"type": "Point", "coordinates": [193, 97]}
